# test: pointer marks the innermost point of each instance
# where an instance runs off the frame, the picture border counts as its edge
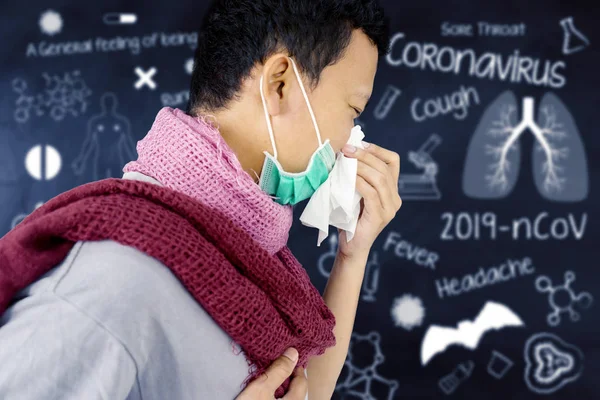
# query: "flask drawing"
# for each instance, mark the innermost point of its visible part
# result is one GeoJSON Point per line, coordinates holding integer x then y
{"type": "Point", "coordinates": [573, 40]}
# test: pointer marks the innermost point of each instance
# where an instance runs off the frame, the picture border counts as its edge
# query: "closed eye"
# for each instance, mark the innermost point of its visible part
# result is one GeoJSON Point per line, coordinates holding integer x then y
{"type": "Point", "coordinates": [358, 112]}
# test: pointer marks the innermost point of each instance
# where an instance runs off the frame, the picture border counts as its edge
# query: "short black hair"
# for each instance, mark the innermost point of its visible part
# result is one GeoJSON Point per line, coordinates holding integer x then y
{"type": "Point", "coordinates": [235, 34]}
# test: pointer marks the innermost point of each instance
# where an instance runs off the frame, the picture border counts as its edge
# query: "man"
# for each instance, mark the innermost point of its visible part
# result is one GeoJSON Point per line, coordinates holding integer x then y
{"type": "Point", "coordinates": [283, 81]}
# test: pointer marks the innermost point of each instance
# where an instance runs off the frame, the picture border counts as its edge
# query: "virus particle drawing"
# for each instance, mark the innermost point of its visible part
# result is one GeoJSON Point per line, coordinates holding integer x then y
{"type": "Point", "coordinates": [50, 22]}
{"type": "Point", "coordinates": [408, 312]}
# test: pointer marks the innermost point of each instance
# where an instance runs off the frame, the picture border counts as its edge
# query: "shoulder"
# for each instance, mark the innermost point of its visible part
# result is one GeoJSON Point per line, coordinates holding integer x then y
{"type": "Point", "coordinates": [113, 271]}
{"type": "Point", "coordinates": [143, 311]}
{"type": "Point", "coordinates": [118, 283]}
{"type": "Point", "coordinates": [131, 294]}
{"type": "Point", "coordinates": [49, 348]}
{"type": "Point", "coordinates": [141, 302]}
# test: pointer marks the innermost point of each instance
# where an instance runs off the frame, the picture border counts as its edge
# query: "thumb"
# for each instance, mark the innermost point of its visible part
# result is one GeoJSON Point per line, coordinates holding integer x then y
{"type": "Point", "coordinates": [280, 369]}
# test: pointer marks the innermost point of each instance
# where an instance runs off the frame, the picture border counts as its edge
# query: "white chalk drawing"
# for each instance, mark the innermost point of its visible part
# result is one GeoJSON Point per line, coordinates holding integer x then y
{"type": "Point", "coordinates": [108, 144]}
{"type": "Point", "coordinates": [371, 280]}
{"type": "Point", "coordinates": [449, 383]}
{"type": "Point", "coordinates": [117, 18]}
{"type": "Point", "coordinates": [421, 186]}
{"type": "Point", "coordinates": [543, 226]}
{"type": "Point", "coordinates": [176, 99]}
{"type": "Point", "coordinates": [43, 162]}
{"type": "Point", "coordinates": [189, 66]}
{"type": "Point", "coordinates": [145, 78]}
{"type": "Point", "coordinates": [493, 316]}
{"type": "Point", "coordinates": [562, 298]}
{"type": "Point", "coordinates": [357, 384]}
{"type": "Point", "coordinates": [559, 161]}
{"type": "Point", "coordinates": [20, 217]}
{"type": "Point", "coordinates": [386, 102]}
{"type": "Point", "coordinates": [408, 251]}
{"type": "Point", "coordinates": [573, 40]}
{"type": "Point", "coordinates": [62, 96]}
{"type": "Point", "coordinates": [456, 104]}
{"type": "Point", "coordinates": [550, 363]}
{"type": "Point", "coordinates": [50, 22]}
{"type": "Point", "coordinates": [483, 64]}
{"type": "Point", "coordinates": [325, 262]}
{"type": "Point", "coordinates": [499, 365]}
{"type": "Point", "coordinates": [408, 311]}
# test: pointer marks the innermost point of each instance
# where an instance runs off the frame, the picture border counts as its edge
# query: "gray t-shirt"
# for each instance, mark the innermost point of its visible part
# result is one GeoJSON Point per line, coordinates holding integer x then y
{"type": "Point", "coordinates": [110, 322]}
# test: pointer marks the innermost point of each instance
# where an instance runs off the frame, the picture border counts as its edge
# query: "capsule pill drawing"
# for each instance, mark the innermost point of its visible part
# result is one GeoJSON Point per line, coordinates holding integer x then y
{"type": "Point", "coordinates": [119, 18]}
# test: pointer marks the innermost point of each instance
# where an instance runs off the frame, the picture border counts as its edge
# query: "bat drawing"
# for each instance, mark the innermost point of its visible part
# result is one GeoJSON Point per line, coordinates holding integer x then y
{"type": "Point", "coordinates": [468, 334]}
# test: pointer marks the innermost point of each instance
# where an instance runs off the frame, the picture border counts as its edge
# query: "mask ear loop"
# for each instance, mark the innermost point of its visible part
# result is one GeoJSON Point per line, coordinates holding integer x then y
{"type": "Point", "coordinates": [267, 118]}
{"type": "Point", "coordinates": [312, 115]}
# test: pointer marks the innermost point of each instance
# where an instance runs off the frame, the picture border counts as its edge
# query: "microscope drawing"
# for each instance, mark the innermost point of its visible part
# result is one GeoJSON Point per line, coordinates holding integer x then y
{"type": "Point", "coordinates": [422, 186]}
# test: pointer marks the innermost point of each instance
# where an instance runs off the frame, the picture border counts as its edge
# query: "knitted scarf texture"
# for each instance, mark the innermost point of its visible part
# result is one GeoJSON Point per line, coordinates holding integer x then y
{"type": "Point", "coordinates": [189, 155]}
{"type": "Point", "coordinates": [243, 276]}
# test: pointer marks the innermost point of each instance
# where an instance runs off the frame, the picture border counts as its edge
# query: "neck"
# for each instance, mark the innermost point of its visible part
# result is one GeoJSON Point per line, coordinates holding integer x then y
{"type": "Point", "coordinates": [247, 144]}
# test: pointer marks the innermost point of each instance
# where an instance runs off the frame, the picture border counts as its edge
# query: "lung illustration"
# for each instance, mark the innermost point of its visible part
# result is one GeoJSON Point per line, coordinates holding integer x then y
{"type": "Point", "coordinates": [493, 157]}
{"type": "Point", "coordinates": [559, 162]}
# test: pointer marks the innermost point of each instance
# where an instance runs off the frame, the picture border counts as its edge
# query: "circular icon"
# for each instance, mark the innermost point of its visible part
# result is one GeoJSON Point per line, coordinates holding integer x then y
{"type": "Point", "coordinates": [34, 161]}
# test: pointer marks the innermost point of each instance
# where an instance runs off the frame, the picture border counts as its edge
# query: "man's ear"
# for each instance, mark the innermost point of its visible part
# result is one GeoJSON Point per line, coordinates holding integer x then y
{"type": "Point", "coordinates": [271, 95]}
{"type": "Point", "coordinates": [277, 83]}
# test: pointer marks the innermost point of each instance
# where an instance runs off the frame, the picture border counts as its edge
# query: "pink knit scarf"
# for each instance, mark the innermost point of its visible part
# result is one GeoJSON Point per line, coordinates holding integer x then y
{"type": "Point", "coordinates": [189, 155]}
{"type": "Point", "coordinates": [265, 302]}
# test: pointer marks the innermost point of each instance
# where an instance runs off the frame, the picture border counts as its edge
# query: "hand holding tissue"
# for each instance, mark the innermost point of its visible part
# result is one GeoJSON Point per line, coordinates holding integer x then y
{"type": "Point", "coordinates": [336, 202]}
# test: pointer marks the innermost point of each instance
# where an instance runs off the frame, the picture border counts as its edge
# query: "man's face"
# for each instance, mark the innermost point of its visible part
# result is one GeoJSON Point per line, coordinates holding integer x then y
{"type": "Point", "coordinates": [343, 89]}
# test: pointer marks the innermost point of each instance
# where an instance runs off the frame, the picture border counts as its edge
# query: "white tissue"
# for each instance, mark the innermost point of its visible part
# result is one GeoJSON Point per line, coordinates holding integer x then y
{"type": "Point", "coordinates": [336, 202]}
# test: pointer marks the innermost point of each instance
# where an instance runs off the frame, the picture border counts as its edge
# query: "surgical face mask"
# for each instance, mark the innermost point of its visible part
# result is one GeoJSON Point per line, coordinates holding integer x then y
{"type": "Point", "coordinates": [289, 187]}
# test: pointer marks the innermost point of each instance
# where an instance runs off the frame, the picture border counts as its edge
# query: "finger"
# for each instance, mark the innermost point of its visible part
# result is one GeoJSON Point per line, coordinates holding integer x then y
{"type": "Point", "coordinates": [299, 371]}
{"type": "Point", "coordinates": [372, 203]}
{"type": "Point", "coordinates": [391, 171]}
{"type": "Point", "coordinates": [369, 159]}
{"type": "Point", "coordinates": [279, 371]}
{"type": "Point", "coordinates": [298, 386]}
{"type": "Point", "coordinates": [380, 182]}
{"type": "Point", "coordinates": [391, 158]}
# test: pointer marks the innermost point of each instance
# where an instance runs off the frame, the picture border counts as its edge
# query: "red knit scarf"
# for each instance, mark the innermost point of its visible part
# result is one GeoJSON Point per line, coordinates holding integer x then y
{"type": "Point", "coordinates": [266, 303]}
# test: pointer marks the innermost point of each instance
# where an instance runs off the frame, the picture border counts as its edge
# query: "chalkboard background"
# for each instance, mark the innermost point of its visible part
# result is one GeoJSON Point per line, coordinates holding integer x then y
{"type": "Point", "coordinates": [498, 238]}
